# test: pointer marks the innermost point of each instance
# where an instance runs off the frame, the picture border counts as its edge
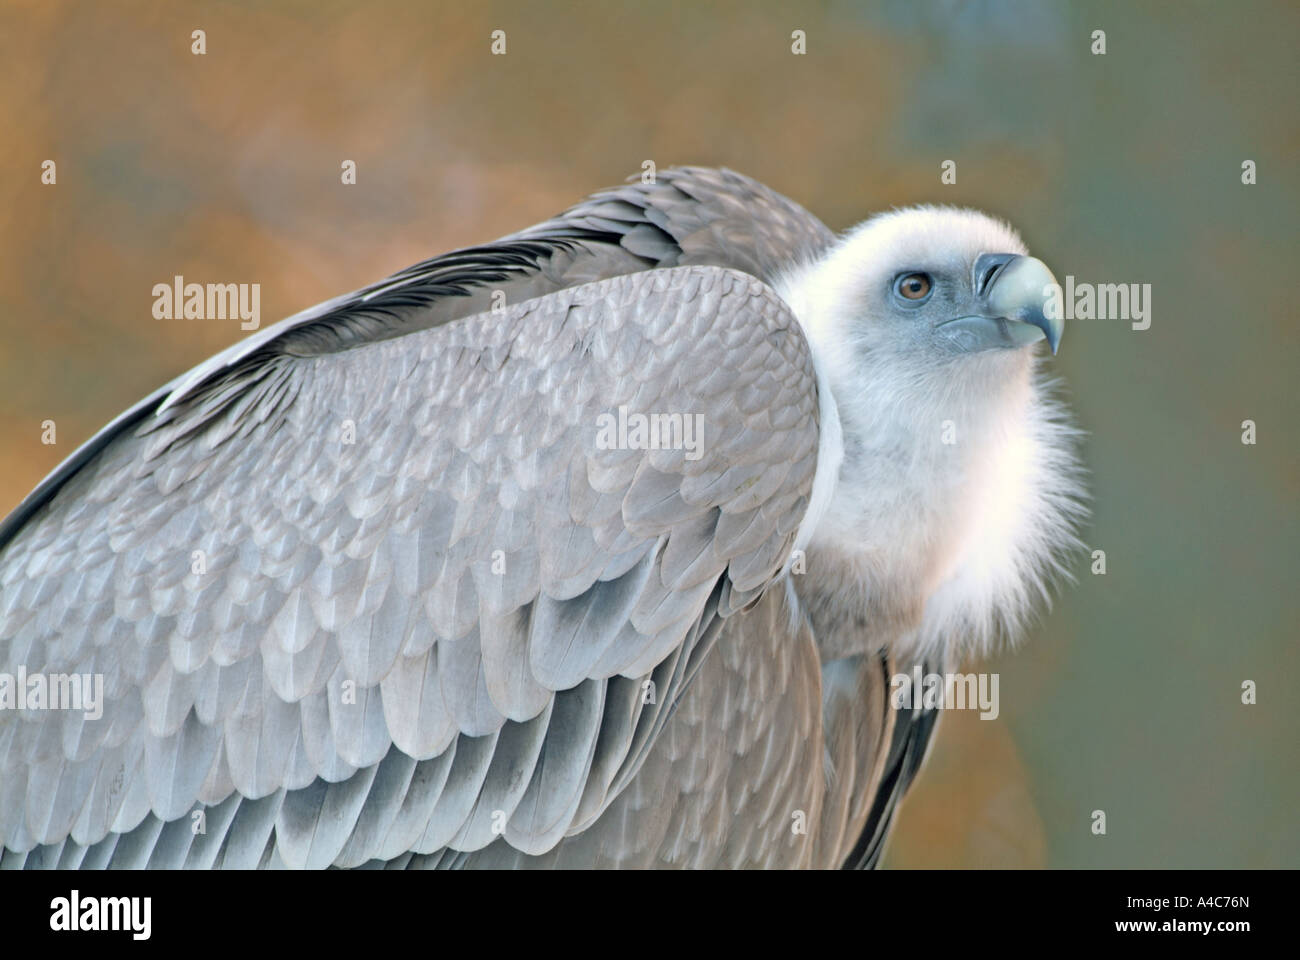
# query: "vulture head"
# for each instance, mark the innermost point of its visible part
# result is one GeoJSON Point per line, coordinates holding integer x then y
{"type": "Point", "coordinates": [957, 489]}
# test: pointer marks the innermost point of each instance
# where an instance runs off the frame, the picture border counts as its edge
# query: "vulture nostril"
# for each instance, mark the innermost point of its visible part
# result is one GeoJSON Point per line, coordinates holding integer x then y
{"type": "Point", "coordinates": [987, 268]}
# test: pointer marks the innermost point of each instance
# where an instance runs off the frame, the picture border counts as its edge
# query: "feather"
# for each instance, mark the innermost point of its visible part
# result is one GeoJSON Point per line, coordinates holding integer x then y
{"type": "Point", "coordinates": [314, 824]}
{"type": "Point", "coordinates": [414, 710]}
{"type": "Point", "coordinates": [567, 637]}
{"type": "Point", "coordinates": [249, 831]}
{"type": "Point", "coordinates": [175, 766]}
{"type": "Point", "coordinates": [514, 757]}
{"type": "Point", "coordinates": [546, 808]}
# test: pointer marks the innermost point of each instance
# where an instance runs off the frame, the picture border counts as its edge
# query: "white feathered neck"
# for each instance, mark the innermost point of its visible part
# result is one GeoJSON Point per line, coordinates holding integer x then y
{"type": "Point", "coordinates": [948, 490]}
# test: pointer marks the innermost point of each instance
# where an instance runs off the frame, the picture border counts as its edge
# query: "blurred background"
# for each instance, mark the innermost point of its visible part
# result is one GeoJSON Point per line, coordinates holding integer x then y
{"type": "Point", "coordinates": [1122, 168]}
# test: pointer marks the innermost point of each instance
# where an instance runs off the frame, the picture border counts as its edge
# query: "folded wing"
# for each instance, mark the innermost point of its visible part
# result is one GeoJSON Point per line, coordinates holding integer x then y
{"type": "Point", "coordinates": [406, 595]}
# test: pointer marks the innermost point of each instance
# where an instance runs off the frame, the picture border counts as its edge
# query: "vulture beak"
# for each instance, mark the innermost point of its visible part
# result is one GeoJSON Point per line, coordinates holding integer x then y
{"type": "Point", "coordinates": [1013, 293]}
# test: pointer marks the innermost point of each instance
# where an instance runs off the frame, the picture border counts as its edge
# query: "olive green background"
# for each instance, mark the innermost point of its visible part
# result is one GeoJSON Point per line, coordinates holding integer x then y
{"type": "Point", "coordinates": [1122, 168]}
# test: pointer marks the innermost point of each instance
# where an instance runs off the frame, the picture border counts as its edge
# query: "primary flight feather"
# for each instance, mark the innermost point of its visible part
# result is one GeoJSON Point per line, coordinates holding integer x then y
{"type": "Point", "coordinates": [594, 546]}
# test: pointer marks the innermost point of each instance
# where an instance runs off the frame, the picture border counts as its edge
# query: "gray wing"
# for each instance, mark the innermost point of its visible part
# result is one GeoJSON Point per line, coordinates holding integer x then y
{"type": "Point", "coordinates": [398, 597]}
{"type": "Point", "coordinates": [899, 741]}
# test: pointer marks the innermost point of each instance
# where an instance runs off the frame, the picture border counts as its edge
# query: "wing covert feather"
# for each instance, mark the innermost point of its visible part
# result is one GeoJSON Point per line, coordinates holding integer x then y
{"type": "Point", "coordinates": [356, 603]}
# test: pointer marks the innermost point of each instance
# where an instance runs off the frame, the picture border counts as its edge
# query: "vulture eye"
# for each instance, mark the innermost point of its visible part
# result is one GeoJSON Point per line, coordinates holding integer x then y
{"type": "Point", "coordinates": [914, 286]}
